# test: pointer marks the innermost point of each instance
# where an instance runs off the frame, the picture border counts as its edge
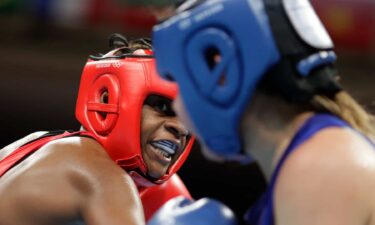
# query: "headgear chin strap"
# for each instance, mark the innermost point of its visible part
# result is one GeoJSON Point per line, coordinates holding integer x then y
{"type": "Point", "coordinates": [219, 50]}
{"type": "Point", "coordinates": [115, 121]}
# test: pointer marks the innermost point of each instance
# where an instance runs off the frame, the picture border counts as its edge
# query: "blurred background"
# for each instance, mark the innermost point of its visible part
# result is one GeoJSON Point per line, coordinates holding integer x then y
{"type": "Point", "coordinates": [44, 45]}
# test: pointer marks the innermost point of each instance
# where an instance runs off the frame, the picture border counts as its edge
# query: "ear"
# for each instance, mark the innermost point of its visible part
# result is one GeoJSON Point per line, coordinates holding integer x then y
{"type": "Point", "coordinates": [212, 57]}
{"type": "Point", "coordinates": [103, 115]}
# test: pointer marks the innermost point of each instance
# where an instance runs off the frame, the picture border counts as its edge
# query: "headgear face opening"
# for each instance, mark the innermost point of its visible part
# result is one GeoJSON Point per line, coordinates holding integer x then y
{"type": "Point", "coordinates": [111, 96]}
{"type": "Point", "coordinates": [244, 34]}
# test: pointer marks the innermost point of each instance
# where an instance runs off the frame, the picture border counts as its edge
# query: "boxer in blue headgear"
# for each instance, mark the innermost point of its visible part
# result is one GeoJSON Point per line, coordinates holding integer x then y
{"type": "Point", "coordinates": [257, 77]}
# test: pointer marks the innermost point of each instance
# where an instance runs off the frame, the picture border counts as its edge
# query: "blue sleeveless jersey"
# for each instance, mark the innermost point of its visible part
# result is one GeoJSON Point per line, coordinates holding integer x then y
{"type": "Point", "coordinates": [262, 213]}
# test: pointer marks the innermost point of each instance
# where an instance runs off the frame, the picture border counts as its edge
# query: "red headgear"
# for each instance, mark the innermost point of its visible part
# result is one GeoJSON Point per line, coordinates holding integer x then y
{"type": "Point", "coordinates": [128, 80]}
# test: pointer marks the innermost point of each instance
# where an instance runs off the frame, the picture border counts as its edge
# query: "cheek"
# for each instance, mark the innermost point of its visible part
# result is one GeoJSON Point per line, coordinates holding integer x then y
{"type": "Point", "coordinates": [150, 122]}
{"type": "Point", "coordinates": [179, 108]}
{"type": "Point", "coordinates": [145, 124]}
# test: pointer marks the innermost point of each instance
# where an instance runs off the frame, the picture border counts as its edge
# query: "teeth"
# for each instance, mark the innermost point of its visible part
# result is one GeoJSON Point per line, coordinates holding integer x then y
{"type": "Point", "coordinates": [167, 146]}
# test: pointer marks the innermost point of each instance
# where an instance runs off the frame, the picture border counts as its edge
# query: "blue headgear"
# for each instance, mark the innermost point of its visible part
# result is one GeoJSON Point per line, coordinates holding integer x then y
{"type": "Point", "coordinates": [251, 38]}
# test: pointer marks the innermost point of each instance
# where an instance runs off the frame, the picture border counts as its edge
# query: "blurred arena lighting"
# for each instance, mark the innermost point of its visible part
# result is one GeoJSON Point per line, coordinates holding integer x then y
{"type": "Point", "coordinates": [351, 23]}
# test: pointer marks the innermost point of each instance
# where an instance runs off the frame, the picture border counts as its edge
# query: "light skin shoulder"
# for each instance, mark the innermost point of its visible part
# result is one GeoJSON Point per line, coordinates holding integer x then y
{"type": "Point", "coordinates": [67, 180]}
{"type": "Point", "coordinates": [328, 180]}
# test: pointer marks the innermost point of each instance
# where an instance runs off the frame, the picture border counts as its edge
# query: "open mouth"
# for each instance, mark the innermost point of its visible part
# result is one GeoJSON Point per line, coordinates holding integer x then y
{"type": "Point", "coordinates": [165, 148]}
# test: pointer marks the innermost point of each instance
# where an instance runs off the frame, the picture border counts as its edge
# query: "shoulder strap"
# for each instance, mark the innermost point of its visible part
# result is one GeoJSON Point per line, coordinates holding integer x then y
{"type": "Point", "coordinates": [262, 212]}
{"type": "Point", "coordinates": [308, 129]}
{"type": "Point", "coordinates": [17, 155]}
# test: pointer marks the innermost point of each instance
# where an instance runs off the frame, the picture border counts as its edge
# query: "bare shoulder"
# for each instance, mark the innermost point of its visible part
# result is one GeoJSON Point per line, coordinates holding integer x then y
{"type": "Point", "coordinates": [72, 165]}
{"type": "Point", "coordinates": [85, 158]}
{"type": "Point", "coordinates": [329, 176]}
{"type": "Point", "coordinates": [70, 178]}
{"type": "Point", "coordinates": [336, 150]}
{"type": "Point", "coordinates": [109, 194]}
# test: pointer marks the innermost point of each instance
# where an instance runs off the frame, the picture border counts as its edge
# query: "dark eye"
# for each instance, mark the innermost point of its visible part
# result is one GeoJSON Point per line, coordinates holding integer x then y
{"type": "Point", "coordinates": [161, 105]}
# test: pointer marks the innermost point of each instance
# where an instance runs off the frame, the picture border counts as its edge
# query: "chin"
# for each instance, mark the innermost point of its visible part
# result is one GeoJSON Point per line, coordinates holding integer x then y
{"type": "Point", "coordinates": [156, 175]}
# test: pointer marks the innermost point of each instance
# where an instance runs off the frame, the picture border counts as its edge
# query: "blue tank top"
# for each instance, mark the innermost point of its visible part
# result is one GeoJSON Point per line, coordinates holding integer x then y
{"type": "Point", "coordinates": [262, 212]}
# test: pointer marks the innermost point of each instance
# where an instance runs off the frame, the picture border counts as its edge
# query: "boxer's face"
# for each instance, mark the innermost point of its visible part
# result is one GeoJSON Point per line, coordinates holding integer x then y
{"type": "Point", "coordinates": [163, 137]}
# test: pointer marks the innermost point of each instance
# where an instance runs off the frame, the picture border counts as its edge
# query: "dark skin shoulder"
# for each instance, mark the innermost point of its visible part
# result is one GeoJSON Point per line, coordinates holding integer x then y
{"type": "Point", "coordinates": [69, 180]}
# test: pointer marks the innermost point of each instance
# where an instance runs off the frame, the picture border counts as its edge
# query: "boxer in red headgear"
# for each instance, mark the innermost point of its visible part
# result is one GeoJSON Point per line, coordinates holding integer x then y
{"type": "Point", "coordinates": [130, 134]}
{"type": "Point", "coordinates": [110, 106]}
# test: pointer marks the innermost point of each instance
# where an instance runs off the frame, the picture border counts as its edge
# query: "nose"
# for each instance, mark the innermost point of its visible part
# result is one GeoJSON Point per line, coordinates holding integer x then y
{"type": "Point", "coordinates": [175, 127]}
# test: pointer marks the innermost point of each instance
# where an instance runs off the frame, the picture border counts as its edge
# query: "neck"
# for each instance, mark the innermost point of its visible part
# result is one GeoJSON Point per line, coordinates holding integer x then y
{"type": "Point", "coordinates": [267, 132]}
